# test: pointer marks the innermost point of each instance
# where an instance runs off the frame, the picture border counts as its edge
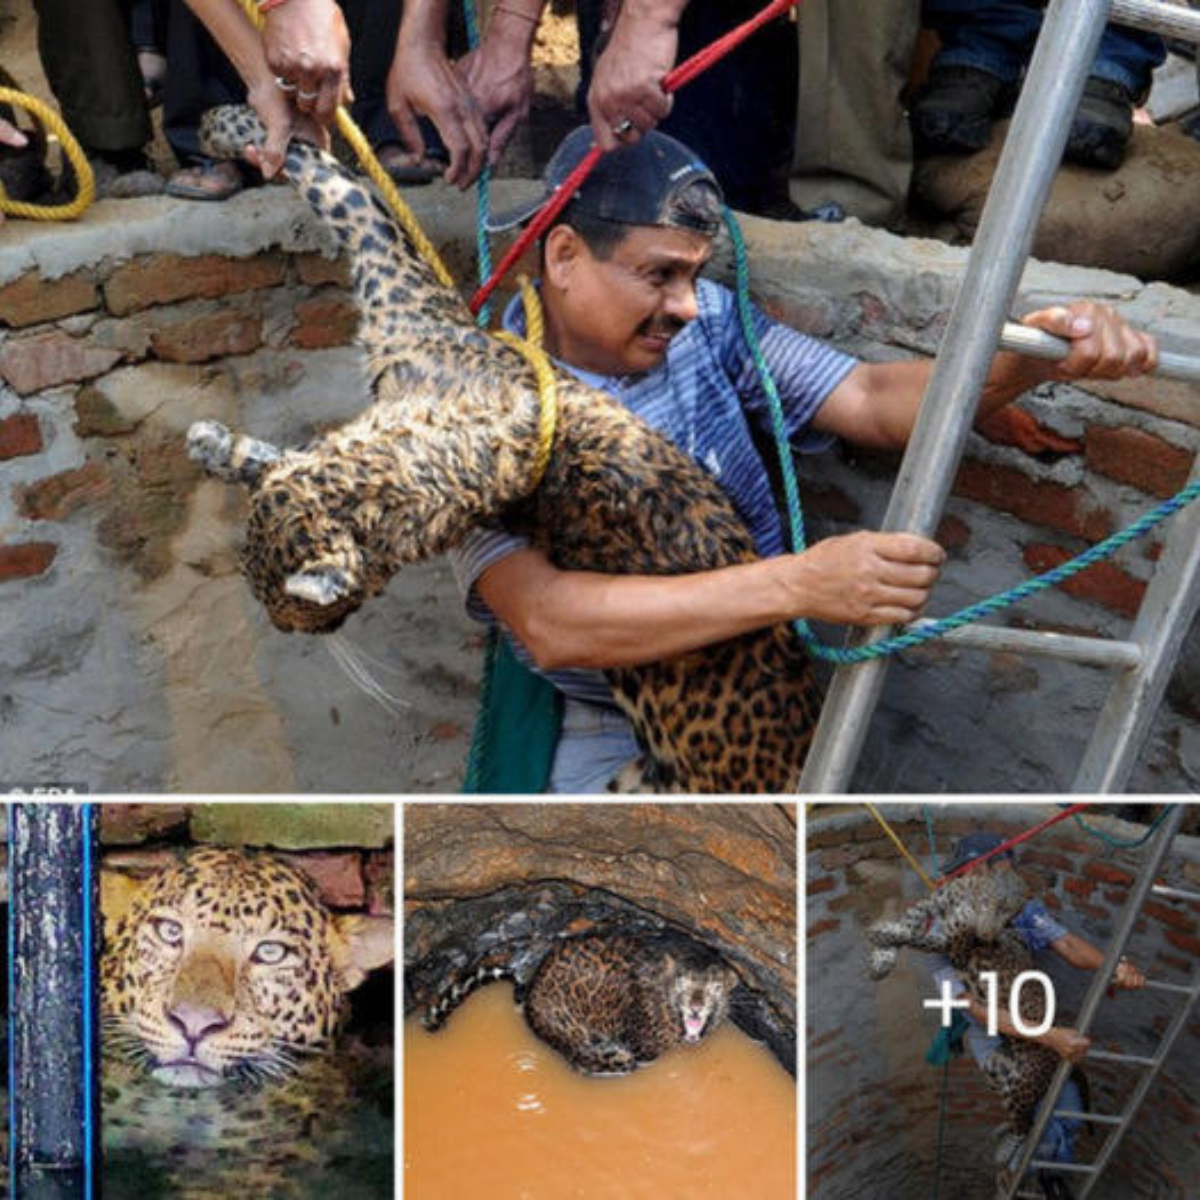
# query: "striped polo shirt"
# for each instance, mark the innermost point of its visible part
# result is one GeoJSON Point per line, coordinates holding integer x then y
{"type": "Point", "coordinates": [704, 396]}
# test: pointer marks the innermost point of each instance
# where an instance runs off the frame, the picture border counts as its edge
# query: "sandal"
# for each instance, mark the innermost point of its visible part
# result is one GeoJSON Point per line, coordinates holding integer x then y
{"type": "Point", "coordinates": [206, 179]}
{"type": "Point", "coordinates": [406, 167]}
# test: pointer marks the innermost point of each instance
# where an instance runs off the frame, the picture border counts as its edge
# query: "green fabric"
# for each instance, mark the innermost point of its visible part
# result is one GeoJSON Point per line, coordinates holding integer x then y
{"type": "Point", "coordinates": [948, 1041]}
{"type": "Point", "coordinates": [516, 728]}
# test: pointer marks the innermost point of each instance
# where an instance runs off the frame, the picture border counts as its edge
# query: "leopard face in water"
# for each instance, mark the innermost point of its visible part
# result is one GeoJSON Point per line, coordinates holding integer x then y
{"type": "Point", "coordinates": [227, 966]}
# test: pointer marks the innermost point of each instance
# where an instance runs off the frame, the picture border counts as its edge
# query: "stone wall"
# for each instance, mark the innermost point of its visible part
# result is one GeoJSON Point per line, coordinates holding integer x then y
{"type": "Point", "coordinates": [873, 1101]}
{"type": "Point", "coordinates": [133, 658]}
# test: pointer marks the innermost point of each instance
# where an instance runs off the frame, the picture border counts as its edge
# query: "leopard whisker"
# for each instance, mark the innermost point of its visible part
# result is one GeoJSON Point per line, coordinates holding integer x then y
{"type": "Point", "coordinates": [350, 658]}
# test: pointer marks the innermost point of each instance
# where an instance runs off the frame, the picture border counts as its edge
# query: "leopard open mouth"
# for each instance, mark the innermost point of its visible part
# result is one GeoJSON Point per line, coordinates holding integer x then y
{"type": "Point", "coordinates": [186, 1073]}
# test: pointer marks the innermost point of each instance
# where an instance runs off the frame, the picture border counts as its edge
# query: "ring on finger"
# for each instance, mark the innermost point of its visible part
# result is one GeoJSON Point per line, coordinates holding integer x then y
{"type": "Point", "coordinates": [307, 95]}
{"type": "Point", "coordinates": [283, 85]}
{"type": "Point", "coordinates": [623, 128]}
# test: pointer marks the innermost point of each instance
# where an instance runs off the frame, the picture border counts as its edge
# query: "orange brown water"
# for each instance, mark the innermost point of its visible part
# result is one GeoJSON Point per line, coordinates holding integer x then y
{"type": "Point", "coordinates": [492, 1113]}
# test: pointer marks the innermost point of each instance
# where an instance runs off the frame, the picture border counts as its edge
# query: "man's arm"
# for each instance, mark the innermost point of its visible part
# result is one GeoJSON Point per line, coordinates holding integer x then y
{"type": "Point", "coordinates": [876, 405]}
{"type": "Point", "coordinates": [627, 82]}
{"type": "Point", "coordinates": [589, 619]}
{"type": "Point", "coordinates": [1065, 1041]}
{"type": "Point", "coordinates": [491, 87]}
{"type": "Point", "coordinates": [1081, 953]}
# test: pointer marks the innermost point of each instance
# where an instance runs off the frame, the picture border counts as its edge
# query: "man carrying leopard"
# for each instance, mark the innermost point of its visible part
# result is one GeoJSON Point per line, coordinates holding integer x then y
{"type": "Point", "coordinates": [988, 920]}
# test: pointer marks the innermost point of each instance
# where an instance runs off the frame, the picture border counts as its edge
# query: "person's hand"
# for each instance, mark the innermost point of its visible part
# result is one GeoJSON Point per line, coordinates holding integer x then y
{"type": "Point", "coordinates": [500, 79]}
{"type": "Point", "coordinates": [626, 92]}
{"type": "Point", "coordinates": [282, 122]}
{"type": "Point", "coordinates": [10, 135]}
{"type": "Point", "coordinates": [423, 81]}
{"type": "Point", "coordinates": [308, 48]}
{"type": "Point", "coordinates": [1067, 1043]}
{"type": "Point", "coordinates": [865, 578]}
{"type": "Point", "coordinates": [1103, 344]}
{"type": "Point", "coordinates": [1128, 976]}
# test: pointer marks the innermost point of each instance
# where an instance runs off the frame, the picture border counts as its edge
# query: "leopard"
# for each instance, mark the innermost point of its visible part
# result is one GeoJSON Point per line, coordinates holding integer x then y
{"type": "Point", "coordinates": [610, 1003]}
{"type": "Point", "coordinates": [967, 920]}
{"type": "Point", "coordinates": [224, 988]}
{"type": "Point", "coordinates": [447, 443]}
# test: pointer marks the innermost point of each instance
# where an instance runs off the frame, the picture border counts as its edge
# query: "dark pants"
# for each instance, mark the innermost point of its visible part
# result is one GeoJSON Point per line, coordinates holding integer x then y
{"type": "Point", "coordinates": [998, 36]}
{"type": "Point", "coordinates": [199, 76]}
{"type": "Point", "coordinates": [739, 116]}
{"type": "Point", "coordinates": [91, 68]}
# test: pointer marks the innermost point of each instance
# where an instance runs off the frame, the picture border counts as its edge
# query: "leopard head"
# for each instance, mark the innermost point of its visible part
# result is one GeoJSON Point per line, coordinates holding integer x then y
{"type": "Point", "coordinates": [984, 901]}
{"type": "Point", "coordinates": [227, 966]}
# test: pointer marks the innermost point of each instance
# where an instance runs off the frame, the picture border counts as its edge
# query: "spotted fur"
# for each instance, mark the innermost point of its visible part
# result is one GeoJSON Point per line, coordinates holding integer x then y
{"type": "Point", "coordinates": [609, 1003]}
{"type": "Point", "coordinates": [223, 986]}
{"type": "Point", "coordinates": [967, 920]}
{"type": "Point", "coordinates": [448, 444]}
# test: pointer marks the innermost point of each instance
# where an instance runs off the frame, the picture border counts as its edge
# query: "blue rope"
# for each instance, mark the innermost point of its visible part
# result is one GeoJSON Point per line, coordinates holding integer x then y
{"type": "Point", "coordinates": [966, 616]}
{"type": "Point", "coordinates": [89, 1015]}
{"type": "Point", "coordinates": [12, 995]}
{"type": "Point", "coordinates": [483, 246]}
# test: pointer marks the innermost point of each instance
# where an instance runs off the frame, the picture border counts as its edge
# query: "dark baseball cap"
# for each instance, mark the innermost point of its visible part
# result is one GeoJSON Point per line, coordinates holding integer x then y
{"type": "Point", "coordinates": [971, 847]}
{"type": "Point", "coordinates": [632, 185]}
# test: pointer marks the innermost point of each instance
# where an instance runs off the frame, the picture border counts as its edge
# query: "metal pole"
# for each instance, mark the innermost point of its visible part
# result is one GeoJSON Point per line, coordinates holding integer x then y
{"type": "Point", "coordinates": [1091, 1002]}
{"type": "Point", "coordinates": [53, 1033]}
{"type": "Point", "coordinates": [1032, 152]}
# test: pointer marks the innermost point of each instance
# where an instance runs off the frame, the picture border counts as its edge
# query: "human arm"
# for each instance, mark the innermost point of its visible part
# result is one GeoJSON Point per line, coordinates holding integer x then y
{"type": "Point", "coordinates": [590, 619]}
{"type": "Point", "coordinates": [627, 81]}
{"type": "Point", "coordinates": [240, 41]}
{"type": "Point", "coordinates": [492, 86]}
{"type": "Point", "coordinates": [877, 404]}
{"type": "Point", "coordinates": [307, 43]}
{"type": "Point", "coordinates": [1064, 1040]}
{"type": "Point", "coordinates": [1081, 953]}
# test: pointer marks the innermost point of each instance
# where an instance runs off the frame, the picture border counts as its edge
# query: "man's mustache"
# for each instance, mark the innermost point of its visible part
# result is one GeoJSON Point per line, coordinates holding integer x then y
{"type": "Point", "coordinates": [666, 327]}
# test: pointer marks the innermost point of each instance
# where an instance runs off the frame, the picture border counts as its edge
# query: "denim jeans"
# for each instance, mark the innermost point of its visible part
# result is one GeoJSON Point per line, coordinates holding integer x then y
{"type": "Point", "coordinates": [595, 743]}
{"type": "Point", "coordinates": [997, 36]}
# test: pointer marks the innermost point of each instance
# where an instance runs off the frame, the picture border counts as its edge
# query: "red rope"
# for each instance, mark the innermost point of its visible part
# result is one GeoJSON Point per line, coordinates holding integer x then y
{"type": "Point", "coordinates": [1069, 811]}
{"type": "Point", "coordinates": [685, 72]}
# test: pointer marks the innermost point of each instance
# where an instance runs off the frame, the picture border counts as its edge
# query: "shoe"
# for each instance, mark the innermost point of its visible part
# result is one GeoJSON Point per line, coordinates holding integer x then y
{"type": "Point", "coordinates": [408, 168]}
{"type": "Point", "coordinates": [953, 112]}
{"type": "Point", "coordinates": [785, 209]}
{"type": "Point", "coordinates": [206, 179]}
{"type": "Point", "coordinates": [1102, 127]}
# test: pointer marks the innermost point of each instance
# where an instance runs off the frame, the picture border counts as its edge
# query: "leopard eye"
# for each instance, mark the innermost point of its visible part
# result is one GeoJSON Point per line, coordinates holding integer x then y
{"type": "Point", "coordinates": [169, 931]}
{"type": "Point", "coordinates": [270, 954]}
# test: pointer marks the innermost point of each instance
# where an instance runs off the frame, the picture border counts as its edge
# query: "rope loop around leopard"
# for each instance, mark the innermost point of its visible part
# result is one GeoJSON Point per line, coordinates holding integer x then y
{"type": "Point", "coordinates": [923, 631]}
{"type": "Point", "coordinates": [84, 179]}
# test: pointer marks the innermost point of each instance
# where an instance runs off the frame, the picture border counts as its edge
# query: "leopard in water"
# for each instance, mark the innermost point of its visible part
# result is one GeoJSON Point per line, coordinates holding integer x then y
{"type": "Point", "coordinates": [609, 1003]}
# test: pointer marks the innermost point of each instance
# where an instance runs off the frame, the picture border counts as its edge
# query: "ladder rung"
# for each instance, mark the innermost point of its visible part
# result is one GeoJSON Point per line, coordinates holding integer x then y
{"type": "Point", "coordinates": [1169, 987]}
{"type": "Point", "coordinates": [1100, 652]}
{"type": "Point", "coordinates": [1133, 1059]}
{"type": "Point", "coordinates": [1099, 1118]}
{"type": "Point", "coordinates": [1034, 343]}
{"type": "Point", "coordinates": [1158, 17]}
{"type": "Point", "coordinates": [1075, 1168]}
{"type": "Point", "coordinates": [1174, 893]}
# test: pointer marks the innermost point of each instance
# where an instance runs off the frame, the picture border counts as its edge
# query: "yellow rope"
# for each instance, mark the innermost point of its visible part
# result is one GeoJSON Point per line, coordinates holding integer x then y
{"type": "Point", "coordinates": [916, 866]}
{"type": "Point", "coordinates": [71, 148]}
{"type": "Point", "coordinates": [378, 176]}
{"type": "Point", "coordinates": [530, 347]}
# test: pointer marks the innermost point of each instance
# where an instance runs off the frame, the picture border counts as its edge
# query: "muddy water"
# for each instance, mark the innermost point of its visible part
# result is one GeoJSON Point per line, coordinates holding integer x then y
{"type": "Point", "coordinates": [491, 1111]}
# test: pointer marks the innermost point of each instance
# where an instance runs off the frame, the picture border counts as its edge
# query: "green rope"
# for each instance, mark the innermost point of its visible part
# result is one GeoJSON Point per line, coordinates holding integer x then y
{"type": "Point", "coordinates": [483, 245]}
{"type": "Point", "coordinates": [966, 616]}
{"type": "Point", "coordinates": [1118, 843]}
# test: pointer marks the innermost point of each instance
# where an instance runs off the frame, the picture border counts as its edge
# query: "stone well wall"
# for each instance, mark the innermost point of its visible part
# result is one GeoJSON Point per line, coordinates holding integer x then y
{"type": "Point", "coordinates": [873, 1101]}
{"type": "Point", "coordinates": [133, 658]}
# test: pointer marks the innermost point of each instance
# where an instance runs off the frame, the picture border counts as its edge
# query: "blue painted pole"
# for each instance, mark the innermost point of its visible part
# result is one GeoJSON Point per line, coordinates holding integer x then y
{"type": "Point", "coordinates": [53, 1043]}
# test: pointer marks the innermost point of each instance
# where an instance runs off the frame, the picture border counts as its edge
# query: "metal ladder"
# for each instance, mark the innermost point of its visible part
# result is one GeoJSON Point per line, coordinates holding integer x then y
{"type": "Point", "coordinates": [1070, 35]}
{"type": "Point", "coordinates": [1150, 1067]}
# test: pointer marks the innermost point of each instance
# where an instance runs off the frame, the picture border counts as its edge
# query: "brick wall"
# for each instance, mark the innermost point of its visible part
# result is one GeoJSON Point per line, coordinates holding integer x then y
{"type": "Point", "coordinates": [872, 1100]}
{"type": "Point", "coordinates": [134, 658]}
{"type": "Point", "coordinates": [347, 849]}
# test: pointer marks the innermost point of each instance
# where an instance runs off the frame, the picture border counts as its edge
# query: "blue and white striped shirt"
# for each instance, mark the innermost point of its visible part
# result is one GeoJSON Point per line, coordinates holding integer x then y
{"type": "Point", "coordinates": [703, 396]}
